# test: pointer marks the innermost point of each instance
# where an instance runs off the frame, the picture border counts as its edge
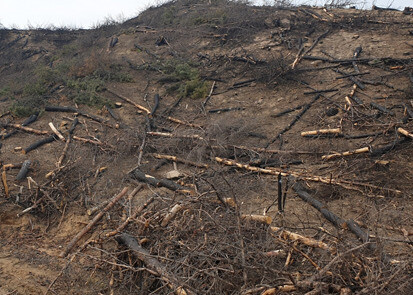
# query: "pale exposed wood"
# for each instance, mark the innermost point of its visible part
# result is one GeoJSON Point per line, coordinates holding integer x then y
{"type": "Point", "coordinates": [171, 214]}
{"type": "Point", "coordinates": [334, 131]}
{"type": "Point", "coordinates": [347, 153]}
{"type": "Point", "coordinates": [258, 218]}
{"type": "Point", "coordinates": [4, 180]}
{"type": "Point", "coordinates": [302, 239]}
{"type": "Point", "coordinates": [405, 132]}
{"type": "Point", "coordinates": [138, 106]}
{"type": "Point", "coordinates": [55, 131]}
{"type": "Point", "coordinates": [27, 129]}
{"type": "Point", "coordinates": [275, 171]}
{"type": "Point", "coordinates": [178, 121]}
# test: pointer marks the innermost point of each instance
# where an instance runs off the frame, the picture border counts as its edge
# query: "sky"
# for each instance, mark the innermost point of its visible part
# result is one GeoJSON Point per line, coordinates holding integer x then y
{"type": "Point", "coordinates": [87, 13]}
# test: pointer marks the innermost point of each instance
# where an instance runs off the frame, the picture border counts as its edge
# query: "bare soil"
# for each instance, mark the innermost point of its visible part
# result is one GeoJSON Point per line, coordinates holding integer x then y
{"type": "Point", "coordinates": [228, 44]}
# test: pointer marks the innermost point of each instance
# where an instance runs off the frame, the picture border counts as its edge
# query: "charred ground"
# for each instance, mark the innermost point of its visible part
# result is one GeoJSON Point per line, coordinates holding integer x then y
{"type": "Point", "coordinates": [182, 51]}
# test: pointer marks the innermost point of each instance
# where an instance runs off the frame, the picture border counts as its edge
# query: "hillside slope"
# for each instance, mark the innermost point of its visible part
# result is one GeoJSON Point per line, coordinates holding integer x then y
{"type": "Point", "coordinates": [217, 97]}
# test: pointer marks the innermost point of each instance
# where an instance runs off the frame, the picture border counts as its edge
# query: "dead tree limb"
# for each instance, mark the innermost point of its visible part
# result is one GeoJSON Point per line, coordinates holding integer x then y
{"type": "Point", "coordinates": [93, 222]}
{"type": "Point", "coordinates": [153, 263]}
{"type": "Point", "coordinates": [24, 170]}
{"type": "Point", "coordinates": [138, 106]}
{"type": "Point", "coordinates": [204, 103]}
{"type": "Point", "coordinates": [405, 132]}
{"type": "Point", "coordinates": [299, 56]}
{"type": "Point", "coordinates": [27, 122]}
{"type": "Point", "coordinates": [299, 175]}
{"type": "Point", "coordinates": [171, 185]}
{"type": "Point", "coordinates": [67, 109]}
{"type": "Point", "coordinates": [26, 129]}
{"type": "Point", "coordinates": [330, 216]}
{"type": "Point", "coordinates": [287, 111]}
{"type": "Point", "coordinates": [39, 143]}
{"type": "Point", "coordinates": [130, 218]}
{"type": "Point", "coordinates": [285, 234]}
{"type": "Point", "coordinates": [303, 111]}
{"type": "Point", "coordinates": [179, 160]}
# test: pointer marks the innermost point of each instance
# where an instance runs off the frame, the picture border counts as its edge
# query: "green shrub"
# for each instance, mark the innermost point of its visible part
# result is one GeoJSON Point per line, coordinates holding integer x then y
{"type": "Point", "coordinates": [195, 89]}
{"type": "Point", "coordinates": [86, 91]}
{"type": "Point", "coordinates": [27, 106]}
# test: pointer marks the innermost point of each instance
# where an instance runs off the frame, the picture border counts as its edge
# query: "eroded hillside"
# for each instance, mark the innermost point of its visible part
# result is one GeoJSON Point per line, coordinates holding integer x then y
{"type": "Point", "coordinates": [209, 148]}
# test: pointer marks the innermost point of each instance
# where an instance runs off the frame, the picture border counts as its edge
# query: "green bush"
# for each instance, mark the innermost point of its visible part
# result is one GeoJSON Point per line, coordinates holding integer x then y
{"type": "Point", "coordinates": [189, 83]}
{"type": "Point", "coordinates": [25, 107]}
{"type": "Point", "coordinates": [86, 91]}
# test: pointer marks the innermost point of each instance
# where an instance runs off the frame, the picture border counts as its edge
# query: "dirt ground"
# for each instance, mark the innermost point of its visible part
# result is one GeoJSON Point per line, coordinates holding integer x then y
{"type": "Point", "coordinates": [245, 56]}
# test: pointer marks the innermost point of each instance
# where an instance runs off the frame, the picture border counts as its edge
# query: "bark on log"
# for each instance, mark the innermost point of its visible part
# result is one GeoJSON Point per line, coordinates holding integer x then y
{"type": "Point", "coordinates": [382, 108]}
{"type": "Point", "coordinates": [24, 170]}
{"type": "Point", "coordinates": [287, 111]}
{"type": "Point", "coordinates": [27, 122]}
{"type": "Point", "coordinates": [39, 143]}
{"type": "Point", "coordinates": [155, 106]}
{"type": "Point", "coordinates": [330, 216]}
{"type": "Point", "coordinates": [93, 222]}
{"type": "Point", "coordinates": [303, 111]}
{"type": "Point", "coordinates": [152, 263]}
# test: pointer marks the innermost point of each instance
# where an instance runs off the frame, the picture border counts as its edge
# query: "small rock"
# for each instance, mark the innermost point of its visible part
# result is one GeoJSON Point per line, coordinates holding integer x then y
{"type": "Point", "coordinates": [173, 174]}
{"type": "Point", "coordinates": [18, 148]}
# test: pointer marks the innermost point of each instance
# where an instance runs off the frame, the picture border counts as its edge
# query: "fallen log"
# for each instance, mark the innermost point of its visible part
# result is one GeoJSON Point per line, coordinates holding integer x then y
{"type": "Point", "coordinates": [171, 185]}
{"type": "Point", "coordinates": [67, 109]}
{"type": "Point", "coordinates": [27, 122]}
{"type": "Point", "coordinates": [179, 160]}
{"type": "Point", "coordinates": [57, 132]}
{"type": "Point", "coordinates": [287, 111]}
{"type": "Point", "coordinates": [381, 108]}
{"type": "Point", "coordinates": [138, 106]}
{"type": "Point", "coordinates": [155, 106]}
{"type": "Point", "coordinates": [285, 234]}
{"type": "Point", "coordinates": [330, 216]}
{"type": "Point", "coordinates": [88, 227]}
{"type": "Point", "coordinates": [153, 264]}
{"type": "Point", "coordinates": [347, 153]}
{"type": "Point", "coordinates": [335, 131]}
{"type": "Point", "coordinates": [24, 170]}
{"type": "Point", "coordinates": [295, 120]}
{"type": "Point", "coordinates": [39, 143]}
{"type": "Point", "coordinates": [405, 132]}
{"type": "Point", "coordinates": [27, 129]}
{"type": "Point", "coordinates": [275, 171]}
{"type": "Point", "coordinates": [4, 181]}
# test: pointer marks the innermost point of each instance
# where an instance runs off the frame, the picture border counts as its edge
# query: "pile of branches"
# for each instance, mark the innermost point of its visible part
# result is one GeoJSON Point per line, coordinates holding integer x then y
{"type": "Point", "coordinates": [203, 245]}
